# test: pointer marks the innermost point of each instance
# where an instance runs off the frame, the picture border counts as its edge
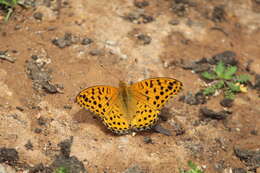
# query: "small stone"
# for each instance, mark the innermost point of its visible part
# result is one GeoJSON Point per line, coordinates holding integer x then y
{"type": "Point", "coordinates": [158, 128]}
{"type": "Point", "coordinates": [257, 82]}
{"type": "Point", "coordinates": [238, 170]}
{"type": "Point", "coordinates": [29, 145]}
{"type": "Point", "coordinates": [95, 52]}
{"type": "Point", "coordinates": [254, 132]}
{"type": "Point", "coordinates": [41, 121]}
{"type": "Point", "coordinates": [227, 57]}
{"type": "Point", "coordinates": [146, 18]}
{"type": "Point", "coordinates": [50, 88]}
{"type": "Point", "coordinates": [218, 14]}
{"type": "Point", "coordinates": [145, 38]}
{"type": "Point", "coordinates": [17, 27]}
{"type": "Point", "coordinates": [148, 140]}
{"type": "Point", "coordinates": [226, 102]}
{"type": "Point", "coordinates": [141, 3]}
{"type": "Point", "coordinates": [174, 22]}
{"type": "Point", "coordinates": [9, 155]}
{"type": "Point", "coordinates": [20, 108]}
{"type": "Point", "coordinates": [214, 115]}
{"type": "Point", "coordinates": [38, 15]}
{"type": "Point", "coordinates": [67, 107]}
{"type": "Point", "coordinates": [134, 169]}
{"type": "Point", "coordinates": [86, 41]}
{"type": "Point", "coordinates": [198, 98]}
{"type": "Point", "coordinates": [37, 130]}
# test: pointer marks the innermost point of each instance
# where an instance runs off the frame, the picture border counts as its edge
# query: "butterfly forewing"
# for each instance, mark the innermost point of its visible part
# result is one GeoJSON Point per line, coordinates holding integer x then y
{"type": "Point", "coordinates": [97, 99]}
{"type": "Point", "coordinates": [102, 101]}
{"type": "Point", "coordinates": [156, 91]}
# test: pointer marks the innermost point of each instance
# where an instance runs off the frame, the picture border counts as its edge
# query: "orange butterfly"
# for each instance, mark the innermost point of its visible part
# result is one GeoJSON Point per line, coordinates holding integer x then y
{"type": "Point", "coordinates": [130, 107]}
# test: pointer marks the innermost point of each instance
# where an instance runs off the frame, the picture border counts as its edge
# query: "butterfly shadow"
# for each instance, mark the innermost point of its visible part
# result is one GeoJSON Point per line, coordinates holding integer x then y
{"type": "Point", "coordinates": [85, 116]}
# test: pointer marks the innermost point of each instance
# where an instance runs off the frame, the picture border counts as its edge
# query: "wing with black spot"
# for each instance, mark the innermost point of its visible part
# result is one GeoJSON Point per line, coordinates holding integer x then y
{"type": "Point", "coordinates": [146, 116]}
{"type": "Point", "coordinates": [97, 99]}
{"type": "Point", "coordinates": [156, 91]}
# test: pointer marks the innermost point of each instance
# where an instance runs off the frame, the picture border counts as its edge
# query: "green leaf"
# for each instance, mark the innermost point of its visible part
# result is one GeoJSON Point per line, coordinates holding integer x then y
{"type": "Point", "coordinates": [229, 94]}
{"type": "Point", "coordinates": [208, 75]}
{"type": "Point", "coordinates": [192, 165]}
{"type": "Point", "coordinates": [209, 90]}
{"type": "Point", "coordinates": [8, 3]}
{"type": "Point", "coordinates": [229, 72]}
{"type": "Point", "coordinates": [233, 87]}
{"type": "Point", "coordinates": [219, 69]}
{"type": "Point", "coordinates": [219, 84]}
{"type": "Point", "coordinates": [61, 170]}
{"type": "Point", "coordinates": [243, 78]}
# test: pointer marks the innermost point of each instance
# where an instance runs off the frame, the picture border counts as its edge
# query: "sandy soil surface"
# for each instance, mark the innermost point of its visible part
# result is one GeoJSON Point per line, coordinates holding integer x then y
{"type": "Point", "coordinates": [56, 50]}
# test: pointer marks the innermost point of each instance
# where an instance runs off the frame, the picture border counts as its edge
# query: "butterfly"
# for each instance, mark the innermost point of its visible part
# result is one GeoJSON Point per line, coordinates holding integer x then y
{"type": "Point", "coordinates": [132, 107]}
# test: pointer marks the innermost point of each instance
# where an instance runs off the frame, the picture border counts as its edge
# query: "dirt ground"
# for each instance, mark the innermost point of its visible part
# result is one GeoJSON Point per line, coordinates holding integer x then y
{"type": "Point", "coordinates": [55, 50]}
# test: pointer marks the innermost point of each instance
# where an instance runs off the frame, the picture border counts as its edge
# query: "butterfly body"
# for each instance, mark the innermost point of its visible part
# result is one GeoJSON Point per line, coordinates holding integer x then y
{"type": "Point", "coordinates": [130, 107]}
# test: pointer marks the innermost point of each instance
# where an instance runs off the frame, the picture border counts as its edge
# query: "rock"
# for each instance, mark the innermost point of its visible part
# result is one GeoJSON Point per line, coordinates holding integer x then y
{"type": "Point", "coordinates": [29, 145]}
{"type": "Point", "coordinates": [148, 140]}
{"type": "Point", "coordinates": [144, 38]}
{"type": "Point", "coordinates": [198, 98]}
{"type": "Point", "coordinates": [38, 15]}
{"type": "Point", "coordinates": [44, 13]}
{"type": "Point", "coordinates": [141, 3]}
{"type": "Point", "coordinates": [71, 163]}
{"type": "Point", "coordinates": [158, 128]}
{"type": "Point", "coordinates": [67, 40]}
{"type": "Point", "coordinates": [134, 169]}
{"type": "Point", "coordinates": [8, 155]}
{"type": "Point", "coordinates": [218, 14]}
{"type": "Point", "coordinates": [214, 115]}
{"type": "Point", "coordinates": [86, 41]}
{"type": "Point", "coordinates": [250, 157]}
{"type": "Point", "coordinates": [238, 170]}
{"type": "Point", "coordinates": [227, 57]}
{"type": "Point", "coordinates": [40, 168]}
{"type": "Point", "coordinates": [95, 52]}
{"type": "Point", "coordinates": [226, 102]}
{"type": "Point", "coordinates": [257, 82]}
{"type": "Point", "coordinates": [37, 130]}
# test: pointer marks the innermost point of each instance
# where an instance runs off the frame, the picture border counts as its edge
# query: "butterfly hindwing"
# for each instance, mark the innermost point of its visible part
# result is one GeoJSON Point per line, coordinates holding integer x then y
{"type": "Point", "coordinates": [156, 91]}
{"type": "Point", "coordinates": [97, 99]}
{"type": "Point", "coordinates": [146, 117]}
{"type": "Point", "coordinates": [114, 120]}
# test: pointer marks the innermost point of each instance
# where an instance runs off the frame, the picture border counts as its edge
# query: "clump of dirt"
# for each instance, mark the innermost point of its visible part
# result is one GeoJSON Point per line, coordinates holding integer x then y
{"type": "Point", "coordinates": [41, 75]}
{"type": "Point", "coordinates": [69, 163]}
{"type": "Point", "coordinates": [8, 156]}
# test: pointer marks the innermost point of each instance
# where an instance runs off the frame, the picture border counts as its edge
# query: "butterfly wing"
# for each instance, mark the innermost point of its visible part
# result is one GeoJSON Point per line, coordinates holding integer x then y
{"type": "Point", "coordinates": [146, 117]}
{"type": "Point", "coordinates": [152, 94]}
{"type": "Point", "coordinates": [156, 91]}
{"type": "Point", "coordinates": [102, 100]}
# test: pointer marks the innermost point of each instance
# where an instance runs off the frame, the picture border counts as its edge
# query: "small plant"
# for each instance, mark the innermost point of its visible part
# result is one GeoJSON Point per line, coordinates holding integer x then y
{"type": "Point", "coordinates": [194, 168]}
{"type": "Point", "coordinates": [224, 78]}
{"type": "Point", "coordinates": [9, 5]}
{"type": "Point", "coordinates": [61, 170]}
